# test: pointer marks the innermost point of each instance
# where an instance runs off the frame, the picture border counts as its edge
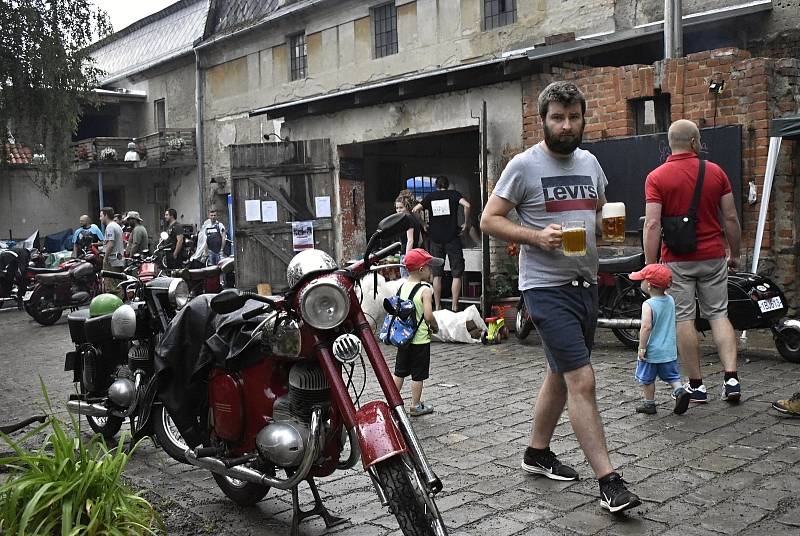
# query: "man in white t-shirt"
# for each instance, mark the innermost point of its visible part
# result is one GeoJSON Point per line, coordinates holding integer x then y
{"type": "Point", "coordinates": [114, 254]}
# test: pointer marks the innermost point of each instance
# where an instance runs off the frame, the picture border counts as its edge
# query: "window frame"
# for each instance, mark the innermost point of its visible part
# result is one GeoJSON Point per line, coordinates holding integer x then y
{"type": "Point", "coordinates": [491, 21]}
{"type": "Point", "coordinates": [298, 72]}
{"type": "Point", "coordinates": [389, 47]}
{"type": "Point", "coordinates": [160, 112]}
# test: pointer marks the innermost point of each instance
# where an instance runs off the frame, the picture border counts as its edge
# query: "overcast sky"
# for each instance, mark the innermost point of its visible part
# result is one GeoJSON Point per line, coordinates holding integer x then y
{"type": "Point", "coordinates": [125, 12]}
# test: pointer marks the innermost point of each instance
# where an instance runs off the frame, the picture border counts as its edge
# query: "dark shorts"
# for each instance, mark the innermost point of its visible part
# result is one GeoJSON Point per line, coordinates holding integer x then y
{"type": "Point", "coordinates": [646, 372]}
{"type": "Point", "coordinates": [414, 360]}
{"type": "Point", "coordinates": [455, 254]}
{"type": "Point", "coordinates": [565, 318]}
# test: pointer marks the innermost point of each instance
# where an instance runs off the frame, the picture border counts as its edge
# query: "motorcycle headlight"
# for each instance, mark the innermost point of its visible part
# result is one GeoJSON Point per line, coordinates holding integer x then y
{"type": "Point", "coordinates": [178, 293]}
{"type": "Point", "coordinates": [123, 322]}
{"type": "Point", "coordinates": [324, 304]}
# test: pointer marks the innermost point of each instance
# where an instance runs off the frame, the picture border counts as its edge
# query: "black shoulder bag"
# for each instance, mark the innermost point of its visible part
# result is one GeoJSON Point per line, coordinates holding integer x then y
{"type": "Point", "coordinates": [679, 232]}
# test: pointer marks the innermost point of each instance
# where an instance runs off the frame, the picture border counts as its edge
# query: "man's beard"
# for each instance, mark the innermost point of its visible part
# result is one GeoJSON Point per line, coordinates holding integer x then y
{"type": "Point", "coordinates": [560, 145]}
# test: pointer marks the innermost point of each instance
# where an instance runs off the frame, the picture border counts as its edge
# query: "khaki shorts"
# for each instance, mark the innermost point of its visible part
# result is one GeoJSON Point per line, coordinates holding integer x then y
{"type": "Point", "coordinates": [707, 280]}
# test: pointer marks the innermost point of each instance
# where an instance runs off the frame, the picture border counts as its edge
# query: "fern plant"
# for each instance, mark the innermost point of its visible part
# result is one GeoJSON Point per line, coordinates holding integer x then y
{"type": "Point", "coordinates": [70, 487]}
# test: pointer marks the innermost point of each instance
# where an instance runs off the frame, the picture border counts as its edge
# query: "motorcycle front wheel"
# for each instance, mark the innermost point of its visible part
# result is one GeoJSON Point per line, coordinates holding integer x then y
{"type": "Point", "coordinates": [108, 427]}
{"type": "Point", "coordinates": [628, 305]}
{"type": "Point", "coordinates": [168, 435]}
{"type": "Point", "coordinates": [41, 301]}
{"type": "Point", "coordinates": [416, 513]}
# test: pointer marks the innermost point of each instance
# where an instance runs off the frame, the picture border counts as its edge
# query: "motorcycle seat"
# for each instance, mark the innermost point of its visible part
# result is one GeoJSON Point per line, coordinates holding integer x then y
{"type": "Point", "coordinates": [620, 265]}
{"type": "Point", "coordinates": [226, 265]}
{"type": "Point", "coordinates": [56, 278]}
{"type": "Point", "coordinates": [98, 329]}
{"type": "Point", "coordinates": [36, 270]}
{"type": "Point", "coordinates": [201, 273]}
{"type": "Point", "coordinates": [76, 323]}
{"type": "Point", "coordinates": [82, 271]}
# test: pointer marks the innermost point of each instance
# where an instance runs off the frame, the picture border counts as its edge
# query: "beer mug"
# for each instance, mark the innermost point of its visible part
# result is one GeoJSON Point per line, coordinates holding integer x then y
{"type": "Point", "coordinates": [614, 222]}
{"type": "Point", "coordinates": [573, 238]}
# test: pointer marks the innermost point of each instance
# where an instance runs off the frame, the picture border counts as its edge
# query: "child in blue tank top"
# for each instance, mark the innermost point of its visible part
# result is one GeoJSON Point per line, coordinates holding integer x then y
{"type": "Point", "coordinates": [658, 354]}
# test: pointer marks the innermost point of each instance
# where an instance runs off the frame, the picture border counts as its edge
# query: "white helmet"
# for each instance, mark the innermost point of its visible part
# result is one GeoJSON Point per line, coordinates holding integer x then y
{"type": "Point", "coordinates": [307, 262]}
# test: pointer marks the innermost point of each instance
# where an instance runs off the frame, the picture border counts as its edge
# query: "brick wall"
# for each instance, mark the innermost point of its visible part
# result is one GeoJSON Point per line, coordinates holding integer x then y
{"type": "Point", "coordinates": [756, 90]}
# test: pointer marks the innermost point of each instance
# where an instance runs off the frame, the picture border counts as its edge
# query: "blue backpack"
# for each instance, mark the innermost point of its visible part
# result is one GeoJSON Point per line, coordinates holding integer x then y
{"type": "Point", "coordinates": [400, 324]}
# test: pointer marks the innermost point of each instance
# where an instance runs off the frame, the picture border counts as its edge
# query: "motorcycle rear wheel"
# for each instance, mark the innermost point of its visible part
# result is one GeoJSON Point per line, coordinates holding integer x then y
{"type": "Point", "coordinates": [240, 492]}
{"type": "Point", "coordinates": [628, 305]}
{"type": "Point", "coordinates": [168, 435]}
{"type": "Point", "coordinates": [788, 345]}
{"type": "Point", "coordinates": [40, 302]}
{"type": "Point", "coordinates": [108, 427]}
{"type": "Point", "coordinates": [407, 499]}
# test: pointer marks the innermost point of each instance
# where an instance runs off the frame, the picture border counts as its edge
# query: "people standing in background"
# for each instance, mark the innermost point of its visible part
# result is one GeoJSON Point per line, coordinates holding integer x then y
{"type": "Point", "coordinates": [210, 240]}
{"type": "Point", "coordinates": [114, 253]}
{"type": "Point", "coordinates": [174, 241]}
{"type": "Point", "coordinates": [138, 240]}
{"type": "Point", "coordinates": [85, 235]}
{"type": "Point", "coordinates": [413, 237]}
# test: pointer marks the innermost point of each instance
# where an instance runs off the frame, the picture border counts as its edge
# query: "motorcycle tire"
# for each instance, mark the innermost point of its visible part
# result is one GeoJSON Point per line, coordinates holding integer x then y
{"type": "Point", "coordinates": [35, 306]}
{"type": "Point", "coordinates": [108, 427]}
{"type": "Point", "coordinates": [628, 305]}
{"type": "Point", "coordinates": [788, 345]}
{"type": "Point", "coordinates": [415, 514]}
{"type": "Point", "coordinates": [167, 434]}
{"type": "Point", "coordinates": [524, 324]}
{"type": "Point", "coordinates": [240, 492]}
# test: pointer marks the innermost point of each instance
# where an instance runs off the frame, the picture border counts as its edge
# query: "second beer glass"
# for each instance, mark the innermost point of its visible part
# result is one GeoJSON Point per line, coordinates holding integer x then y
{"type": "Point", "coordinates": [614, 222]}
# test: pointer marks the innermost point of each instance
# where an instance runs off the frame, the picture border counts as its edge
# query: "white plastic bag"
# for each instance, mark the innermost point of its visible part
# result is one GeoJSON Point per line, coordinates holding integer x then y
{"type": "Point", "coordinates": [453, 326]}
{"type": "Point", "coordinates": [373, 305]}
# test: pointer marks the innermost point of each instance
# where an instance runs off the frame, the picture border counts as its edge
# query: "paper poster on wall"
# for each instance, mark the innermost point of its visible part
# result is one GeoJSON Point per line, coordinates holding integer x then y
{"type": "Point", "coordinates": [323, 205]}
{"type": "Point", "coordinates": [302, 235]}
{"type": "Point", "coordinates": [269, 211]}
{"type": "Point", "coordinates": [252, 210]}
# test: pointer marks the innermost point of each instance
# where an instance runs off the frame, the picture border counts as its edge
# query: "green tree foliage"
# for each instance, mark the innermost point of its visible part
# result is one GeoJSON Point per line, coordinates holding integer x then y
{"type": "Point", "coordinates": [46, 73]}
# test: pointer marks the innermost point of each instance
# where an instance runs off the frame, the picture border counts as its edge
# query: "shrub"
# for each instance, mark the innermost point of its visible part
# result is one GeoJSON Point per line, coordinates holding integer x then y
{"type": "Point", "coordinates": [70, 487]}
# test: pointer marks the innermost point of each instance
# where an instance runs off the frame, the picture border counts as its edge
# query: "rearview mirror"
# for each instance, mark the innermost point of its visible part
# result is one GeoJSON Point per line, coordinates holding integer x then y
{"type": "Point", "coordinates": [227, 301]}
{"type": "Point", "coordinates": [164, 235]}
{"type": "Point", "coordinates": [394, 225]}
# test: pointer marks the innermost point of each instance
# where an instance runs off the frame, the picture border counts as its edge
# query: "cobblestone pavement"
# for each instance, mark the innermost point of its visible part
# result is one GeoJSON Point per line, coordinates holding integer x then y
{"type": "Point", "coordinates": [716, 469]}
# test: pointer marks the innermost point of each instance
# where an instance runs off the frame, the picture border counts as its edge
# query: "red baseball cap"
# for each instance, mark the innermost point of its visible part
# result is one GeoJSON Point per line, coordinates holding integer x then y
{"type": "Point", "coordinates": [418, 257]}
{"type": "Point", "coordinates": [657, 275]}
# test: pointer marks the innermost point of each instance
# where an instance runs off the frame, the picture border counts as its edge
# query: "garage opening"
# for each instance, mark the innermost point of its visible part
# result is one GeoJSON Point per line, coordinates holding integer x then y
{"type": "Point", "coordinates": [413, 163]}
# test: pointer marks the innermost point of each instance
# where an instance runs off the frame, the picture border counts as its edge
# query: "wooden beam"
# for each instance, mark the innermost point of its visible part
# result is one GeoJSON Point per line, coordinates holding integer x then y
{"type": "Point", "coordinates": [272, 246]}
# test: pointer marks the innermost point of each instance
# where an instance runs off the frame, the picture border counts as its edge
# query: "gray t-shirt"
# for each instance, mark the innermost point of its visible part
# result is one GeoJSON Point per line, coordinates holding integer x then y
{"type": "Point", "coordinates": [115, 255]}
{"type": "Point", "coordinates": [549, 190]}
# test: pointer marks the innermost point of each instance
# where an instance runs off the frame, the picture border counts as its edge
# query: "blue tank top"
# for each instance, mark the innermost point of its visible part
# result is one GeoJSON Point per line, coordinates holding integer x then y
{"type": "Point", "coordinates": [661, 347]}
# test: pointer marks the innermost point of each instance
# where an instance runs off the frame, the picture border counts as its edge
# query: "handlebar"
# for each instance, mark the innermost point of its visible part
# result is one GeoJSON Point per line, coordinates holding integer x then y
{"type": "Point", "coordinates": [252, 313]}
{"type": "Point", "coordinates": [113, 275]}
{"type": "Point", "coordinates": [374, 257]}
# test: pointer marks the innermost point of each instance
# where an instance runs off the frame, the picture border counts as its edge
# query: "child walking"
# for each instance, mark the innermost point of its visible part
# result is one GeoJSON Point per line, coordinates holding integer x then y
{"type": "Point", "coordinates": [658, 355]}
{"type": "Point", "coordinates": [415, 359]}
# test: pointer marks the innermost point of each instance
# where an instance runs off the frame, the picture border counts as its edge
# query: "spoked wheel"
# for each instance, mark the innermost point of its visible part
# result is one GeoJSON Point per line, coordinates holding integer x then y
{"type": "Point", "coordinates": [40, 302]}
{"type": "Point", "coordinates": [628, 305]}
{"type": "Point", "coordinates": [168, 435]}
{"type": "Point", "coordinates": [524, 324]}
{"type": "Point", "coordinates": [415, 510]}
{"type": "Point", "coordinates": [241, 492]}
{"type": "Point", "coordinates": [108, 427]}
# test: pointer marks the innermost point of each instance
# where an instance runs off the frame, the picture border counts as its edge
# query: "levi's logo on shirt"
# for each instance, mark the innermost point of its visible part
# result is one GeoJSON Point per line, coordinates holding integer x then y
{"type": "Point", "coordinates": [569, 192]}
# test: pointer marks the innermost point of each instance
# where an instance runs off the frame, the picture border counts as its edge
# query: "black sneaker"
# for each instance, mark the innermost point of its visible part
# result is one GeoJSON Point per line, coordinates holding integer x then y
{"type": "Point", "coordinates": [548, 465]}
{"type": "Point", "coordinates": [614, 496]}
{"type": "Point", "coordinates": [682, 399]}
{"type": "Point", "coordinates": [648, 409]}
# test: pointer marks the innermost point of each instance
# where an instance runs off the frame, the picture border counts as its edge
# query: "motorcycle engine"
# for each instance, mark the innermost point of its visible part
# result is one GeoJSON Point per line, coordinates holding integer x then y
{"type": "Point", "coordinates": [308, 388]}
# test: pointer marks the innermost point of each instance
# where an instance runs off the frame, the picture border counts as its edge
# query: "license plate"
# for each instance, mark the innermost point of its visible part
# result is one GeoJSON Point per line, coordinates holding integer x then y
{"type": "Point", "coordinates": [770, 304]}
{"type": "Point", "coordinates": [27, 296]}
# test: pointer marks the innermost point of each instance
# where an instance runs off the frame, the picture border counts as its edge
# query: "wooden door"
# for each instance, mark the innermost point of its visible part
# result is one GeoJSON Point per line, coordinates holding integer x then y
{"type": "Point", "coordinates": [293, 174]}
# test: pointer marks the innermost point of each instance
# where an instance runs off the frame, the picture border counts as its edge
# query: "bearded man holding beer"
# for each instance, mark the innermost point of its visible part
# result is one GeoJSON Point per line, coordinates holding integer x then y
{"type": "Point", "coordinates": [558, 191]}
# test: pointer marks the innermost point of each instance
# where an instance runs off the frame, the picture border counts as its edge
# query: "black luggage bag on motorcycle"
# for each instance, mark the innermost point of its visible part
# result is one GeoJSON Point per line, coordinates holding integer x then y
{"type": "Point", "coordinates": [754, 302]}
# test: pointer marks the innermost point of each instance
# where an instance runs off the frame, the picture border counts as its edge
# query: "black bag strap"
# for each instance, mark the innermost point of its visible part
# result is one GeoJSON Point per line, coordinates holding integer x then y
{"type": "Point", "coordinates": [698, 187]}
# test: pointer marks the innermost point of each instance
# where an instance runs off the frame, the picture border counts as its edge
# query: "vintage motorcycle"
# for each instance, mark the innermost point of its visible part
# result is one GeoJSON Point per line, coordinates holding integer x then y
{"type": "Point", "coordinates": [113, 358]}
{"type": "Point", "coordinates": [73, 284]}
{"type": "Point", "coordinates": [276, 398]}
{"type": "Point", "coordinates": [207, 279]}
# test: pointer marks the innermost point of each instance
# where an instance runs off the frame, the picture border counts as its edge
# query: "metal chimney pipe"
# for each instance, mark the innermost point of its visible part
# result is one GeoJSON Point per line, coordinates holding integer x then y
{"type": "Point", "coordinates": [673, 29]}
{"type": "Point", "coordinates": [669, 32]}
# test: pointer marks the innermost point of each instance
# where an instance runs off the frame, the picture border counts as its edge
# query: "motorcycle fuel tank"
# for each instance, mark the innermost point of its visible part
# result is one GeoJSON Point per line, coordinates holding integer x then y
{"type": "Point", "coordinates": [225, 403]}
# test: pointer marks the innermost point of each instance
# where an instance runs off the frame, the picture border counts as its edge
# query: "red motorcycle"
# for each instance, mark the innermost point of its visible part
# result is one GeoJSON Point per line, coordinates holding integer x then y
{"type": "Point", "coordinates": [272, 369]}
{"type": "Point", "coordinates": [206, 280]}
{"type": "Point", "coordinates": [73, 284]}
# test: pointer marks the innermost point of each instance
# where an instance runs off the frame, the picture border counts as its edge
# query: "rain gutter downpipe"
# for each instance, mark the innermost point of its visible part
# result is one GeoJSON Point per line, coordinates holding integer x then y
{"type": "Point", "coordinates": [673, 29]}
{"type": "Point", "coordinates": [199, 142]}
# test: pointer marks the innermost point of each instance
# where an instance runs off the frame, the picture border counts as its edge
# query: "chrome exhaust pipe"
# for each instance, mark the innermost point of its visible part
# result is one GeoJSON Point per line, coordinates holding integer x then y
{"type": "Point", "coordinates": [624, 323]}
{"type": "Point", "coordinates": [84, 408]}
{"type": "Point", "coordinates": [216, 465]}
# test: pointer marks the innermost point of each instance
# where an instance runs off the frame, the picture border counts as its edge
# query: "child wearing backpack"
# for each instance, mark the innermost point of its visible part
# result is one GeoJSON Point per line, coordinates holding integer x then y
{"type": "Point", "coordinates": [414, 359]}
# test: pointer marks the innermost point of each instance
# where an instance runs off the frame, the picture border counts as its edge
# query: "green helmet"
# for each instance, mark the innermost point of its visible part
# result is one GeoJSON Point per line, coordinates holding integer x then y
{"type": "Point", "coordinates": [104, 304]}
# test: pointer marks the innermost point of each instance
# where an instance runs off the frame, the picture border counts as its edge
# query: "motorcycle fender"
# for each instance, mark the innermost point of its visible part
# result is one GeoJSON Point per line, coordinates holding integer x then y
{"type": "Point", "coordinates": [378, 435]}
{"type": "Point", "coordinates": [787, 323]}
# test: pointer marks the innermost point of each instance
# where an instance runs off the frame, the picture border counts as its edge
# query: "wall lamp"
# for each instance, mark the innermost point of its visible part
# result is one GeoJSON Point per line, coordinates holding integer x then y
{"type": "Point", "coordinates": [267, 136]}
{"type": "Point", "coordinates": [716, 87]}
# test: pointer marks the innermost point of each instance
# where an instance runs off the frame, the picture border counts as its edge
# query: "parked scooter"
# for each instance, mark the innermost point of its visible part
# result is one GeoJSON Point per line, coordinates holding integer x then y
{"type": "Point", "coordinates": [113, 358]}
{"type": "Point", "coordinates": [276, 400]}
{"type": "Point", "coordinates": [73, 284]}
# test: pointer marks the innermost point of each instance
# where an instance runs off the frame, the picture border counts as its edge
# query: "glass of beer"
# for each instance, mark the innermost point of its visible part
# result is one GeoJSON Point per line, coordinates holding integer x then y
{"type": "Point", "coordinates": [573, 238]}
{"type": "Point", "coordinates": [614, 222]}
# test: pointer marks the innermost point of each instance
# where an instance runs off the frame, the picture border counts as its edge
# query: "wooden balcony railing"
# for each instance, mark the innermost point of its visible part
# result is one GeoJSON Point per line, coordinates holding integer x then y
{"type": "Point", "coordinates": [172, 147]}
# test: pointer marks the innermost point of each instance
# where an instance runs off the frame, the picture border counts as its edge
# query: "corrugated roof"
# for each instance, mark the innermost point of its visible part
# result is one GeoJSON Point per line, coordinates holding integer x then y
{"type": "Point", "coordinates": [164, 35]}
{"type": "Point", "coordinates": [231, 14]}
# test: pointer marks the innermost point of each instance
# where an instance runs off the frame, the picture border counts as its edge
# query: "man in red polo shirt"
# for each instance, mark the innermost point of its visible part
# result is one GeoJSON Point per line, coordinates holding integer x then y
{"type": "Point", "coordinates": [704, 272]}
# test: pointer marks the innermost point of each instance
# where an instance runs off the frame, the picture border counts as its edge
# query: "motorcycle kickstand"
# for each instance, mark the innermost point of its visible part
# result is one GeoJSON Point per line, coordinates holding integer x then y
{"type": "Point", "coordinates": [318, 509]}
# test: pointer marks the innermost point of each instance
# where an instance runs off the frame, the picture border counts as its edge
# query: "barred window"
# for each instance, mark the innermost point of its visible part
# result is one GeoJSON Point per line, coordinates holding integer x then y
{"type": "Point", "coordinates": [299, 56]}
{"type": "Point", "coordinates": [385, 21]}
{"type": "Point", "coordinates": [498, 13]}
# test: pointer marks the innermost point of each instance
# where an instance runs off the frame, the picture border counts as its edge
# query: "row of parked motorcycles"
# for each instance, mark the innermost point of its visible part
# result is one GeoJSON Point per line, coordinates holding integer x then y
{"type": "Point", "coordinates": [260, 391]}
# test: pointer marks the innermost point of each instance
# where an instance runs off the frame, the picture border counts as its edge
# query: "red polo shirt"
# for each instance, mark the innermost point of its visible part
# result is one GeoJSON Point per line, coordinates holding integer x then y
{"type": "Point", "coordinates": [672, 185]}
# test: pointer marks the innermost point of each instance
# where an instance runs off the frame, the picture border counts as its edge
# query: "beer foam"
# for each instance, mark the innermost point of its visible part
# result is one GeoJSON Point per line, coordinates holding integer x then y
{"type": "Point", "coordinates": [614, 210]}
